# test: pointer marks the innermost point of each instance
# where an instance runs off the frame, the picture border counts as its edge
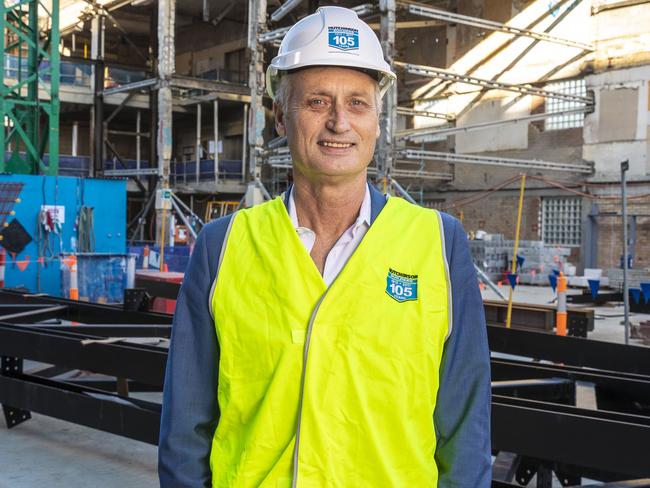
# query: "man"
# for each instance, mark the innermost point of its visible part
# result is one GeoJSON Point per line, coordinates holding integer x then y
{"type": "Point", "coordinates": [331, 337]}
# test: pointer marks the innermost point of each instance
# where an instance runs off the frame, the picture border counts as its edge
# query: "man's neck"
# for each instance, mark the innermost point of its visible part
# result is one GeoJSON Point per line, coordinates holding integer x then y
{"type": "Point", "coordinates": [327, 209]}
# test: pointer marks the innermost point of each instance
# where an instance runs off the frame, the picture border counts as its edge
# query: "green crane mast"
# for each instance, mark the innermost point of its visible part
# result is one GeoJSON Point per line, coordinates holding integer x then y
{"type": "Point", "coordinates": [30, 63]}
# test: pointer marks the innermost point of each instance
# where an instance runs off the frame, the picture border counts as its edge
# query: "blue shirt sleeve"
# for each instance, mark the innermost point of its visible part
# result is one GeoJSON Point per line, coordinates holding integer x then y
{"type": "Point", "coordinates": [190, 410]}
{"type": "Point", "coordinates": [462, 415]}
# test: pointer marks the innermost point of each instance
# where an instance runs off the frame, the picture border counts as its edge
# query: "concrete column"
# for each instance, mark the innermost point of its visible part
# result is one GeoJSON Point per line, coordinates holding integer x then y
{"type": "Point", "coordinates": [255, 139]}
{"type": "Point", "coordinates": [166, 61]}
{"type": "Point", "coordinates": [386, 142]}
{"type": "Point", "coordinates": [245, 146]}
{"type": "Point", "coordinates": [197, 148]}
{"type": "Point", "coordinates": [215, 128]}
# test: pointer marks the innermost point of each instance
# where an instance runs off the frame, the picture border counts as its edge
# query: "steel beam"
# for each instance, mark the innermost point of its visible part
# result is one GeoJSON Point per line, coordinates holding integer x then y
{"type": "Point", "coordinates": [414, 134]}
{"type": "Point", "coordinates": [35, 315]}
{"type": "Point", "coordinates": [112, 330]}
{"type": "Point", "coordinates": [626, 388]}
{"type": "Point", "coordinates": [455, 158]}
{"type": "Point", "coordinates": [191, 83]}
{"type": "Point", "coordinates": [574, 351]}
{"type": "Point", "coordinates": [571, 435]}
{"type": "Point", "coordinates": [128, 87]}
{"type": "Point", "coordinates": [424, 113]}
{"type": "Point", "coordinates": [284, 9]}
{"type": "Point", "coordinates": [522, 89]}
{"type": "Point", "coordinates": [78, 311]}
{"type": "Point", "coordinates": [136, 361]}
{"type": "Point", "coordinates": [131, 172]}
{"type": "Point", "coordinates": [434, 13]}
{"type": "Point", "coordinates": [421, 174]}
{"type": "Point", "coordinates": [135, 419]}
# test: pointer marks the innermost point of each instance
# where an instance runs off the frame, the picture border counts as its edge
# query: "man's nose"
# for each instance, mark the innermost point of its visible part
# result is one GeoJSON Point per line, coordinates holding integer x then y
{"type": "Point", "coordinates": [338, 120]}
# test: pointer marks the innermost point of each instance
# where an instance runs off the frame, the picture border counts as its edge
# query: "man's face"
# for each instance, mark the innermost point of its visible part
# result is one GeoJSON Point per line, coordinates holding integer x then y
{"type": "Point", "coordinates": [331, 122]}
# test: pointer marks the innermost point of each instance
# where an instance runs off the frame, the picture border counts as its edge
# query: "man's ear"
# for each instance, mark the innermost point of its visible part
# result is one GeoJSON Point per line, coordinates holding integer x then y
{"type": "Point", "coordinates": [279, 120]}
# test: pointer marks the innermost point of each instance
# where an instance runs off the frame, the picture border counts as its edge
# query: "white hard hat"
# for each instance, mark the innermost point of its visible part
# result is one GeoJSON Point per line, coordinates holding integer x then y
{"type": "Point", "coordinates": [333, 36]}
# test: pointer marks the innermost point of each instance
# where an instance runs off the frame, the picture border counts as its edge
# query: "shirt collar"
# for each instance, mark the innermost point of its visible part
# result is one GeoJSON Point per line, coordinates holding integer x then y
{"type": "Point", "coordinates": [363, 218]}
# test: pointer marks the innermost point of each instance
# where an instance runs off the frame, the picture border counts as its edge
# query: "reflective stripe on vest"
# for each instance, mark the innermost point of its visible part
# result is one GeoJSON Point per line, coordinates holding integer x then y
{"type": "Point", "coordinates": [370, 344]}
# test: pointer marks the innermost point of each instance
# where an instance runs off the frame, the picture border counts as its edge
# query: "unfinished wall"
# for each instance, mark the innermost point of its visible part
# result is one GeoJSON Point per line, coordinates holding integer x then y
{"type": "Point", "coordinates": [618, 128]}
{"type": "Point", "coordinates": [499, 138]}
{"type": "Point", "coordinates": [622, 36]}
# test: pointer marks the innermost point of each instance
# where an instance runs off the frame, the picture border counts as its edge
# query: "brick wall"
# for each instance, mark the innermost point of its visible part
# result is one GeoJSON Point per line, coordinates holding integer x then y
{"type": "Point", "coordinates": [610, 234]}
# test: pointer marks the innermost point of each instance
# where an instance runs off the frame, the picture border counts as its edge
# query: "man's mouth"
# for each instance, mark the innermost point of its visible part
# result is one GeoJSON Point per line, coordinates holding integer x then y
{"type": "Point", "coordinates": [340, 145]}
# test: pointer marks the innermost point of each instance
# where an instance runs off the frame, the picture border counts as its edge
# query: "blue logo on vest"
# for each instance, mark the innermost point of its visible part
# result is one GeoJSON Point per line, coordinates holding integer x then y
{"type": "Point", "coordinates": [401, 287]}
{"type": "Point", "coordinates": [344, 38]}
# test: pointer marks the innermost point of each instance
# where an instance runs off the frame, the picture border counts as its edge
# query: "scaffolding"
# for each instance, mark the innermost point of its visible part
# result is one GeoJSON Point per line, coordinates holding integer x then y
{"type": "Point", "coordinates": [29, 63]}
{"type": "Point", "coordinates": [393, 150]}
{"type": "Point", "coordinates": [402, 152]}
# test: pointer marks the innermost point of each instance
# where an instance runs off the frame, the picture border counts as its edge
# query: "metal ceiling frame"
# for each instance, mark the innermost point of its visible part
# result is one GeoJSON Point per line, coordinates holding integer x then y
{"type": "Point", "coordinates": [419, 154]}
{"type": "Point", "coordinates": [525, 89]}
{"type": "Point", "coordinates": [416, 133]}
{"type": "Point", "coordinates": [434, 13]}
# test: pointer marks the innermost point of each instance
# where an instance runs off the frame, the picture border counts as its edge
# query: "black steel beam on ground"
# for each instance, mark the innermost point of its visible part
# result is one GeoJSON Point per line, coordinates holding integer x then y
{"type": "Point", "coordinates": [135, 361]}
{"type": "Point", "coordinates": [11, 308]}
{"type": "Point", "coordinates": [601, 298]}
{"type": "Point", "coordinates": [109, 385]}
{"type": "Point", "coordinates": [575, 351]}
{"type": "Point", "coordinates": [558, 390]}
{"type": "Point", "coordinates": [608, 415]}
{"type": "Point", "coordinates": [85, 312]}
{"type": "Point", "coordinates": [628, 388]}
{"type": "Point", "coordinates": [135, 419]}
{"type": "Point", "coordinates": [36, 314]}
{"type": "Point", "coordinates": [580, 438]}
{"type": "Point", "coordinates": [112, 330]}
{"type": "Point", "coordinates": [642, 483]}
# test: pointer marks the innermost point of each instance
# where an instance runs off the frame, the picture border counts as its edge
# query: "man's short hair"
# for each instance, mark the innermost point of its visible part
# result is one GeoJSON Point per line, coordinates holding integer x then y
{"type": "Point", "coordinates": [282, 93]}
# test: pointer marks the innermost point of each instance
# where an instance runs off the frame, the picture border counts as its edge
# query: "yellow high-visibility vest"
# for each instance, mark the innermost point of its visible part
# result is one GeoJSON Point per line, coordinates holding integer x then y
{"type": "Point", "coordinates": [329, 387]}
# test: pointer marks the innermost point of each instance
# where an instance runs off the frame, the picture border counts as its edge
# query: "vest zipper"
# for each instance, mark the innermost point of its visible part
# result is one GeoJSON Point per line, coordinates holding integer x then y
{"type": "Point", "coordinates": [305, 354]}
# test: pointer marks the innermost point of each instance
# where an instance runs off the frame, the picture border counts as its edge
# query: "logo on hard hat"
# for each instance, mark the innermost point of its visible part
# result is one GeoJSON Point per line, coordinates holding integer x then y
{"type": "Point", "coordinates": [344, 38]}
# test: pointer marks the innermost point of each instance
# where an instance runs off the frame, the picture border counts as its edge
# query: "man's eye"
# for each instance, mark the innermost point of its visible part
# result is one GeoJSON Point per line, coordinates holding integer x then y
{"type": "Point", "coordinates": [316, 102]}
{"type": "Point", "coordinates": [358, 103]}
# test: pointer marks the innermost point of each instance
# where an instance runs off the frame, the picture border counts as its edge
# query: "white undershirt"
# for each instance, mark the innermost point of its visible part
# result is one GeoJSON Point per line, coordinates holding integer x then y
{"type": "Point", "coordinates": [344, 247]}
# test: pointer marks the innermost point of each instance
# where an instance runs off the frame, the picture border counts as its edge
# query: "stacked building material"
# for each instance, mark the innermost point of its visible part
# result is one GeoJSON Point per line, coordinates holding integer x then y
{"type": "Point", "coordinates": [493, 254]}
{"type": "Point", "coordinates": [635, 277]}
{"type": "Point", "coordinates": [539, 261]}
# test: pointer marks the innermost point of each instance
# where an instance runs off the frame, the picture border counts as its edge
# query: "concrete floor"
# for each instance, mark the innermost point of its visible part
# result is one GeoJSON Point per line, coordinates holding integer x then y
{"type": "Point", "coordinates": [57, 454]}
{"type": "Point", "coordinates": [49, 452]}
